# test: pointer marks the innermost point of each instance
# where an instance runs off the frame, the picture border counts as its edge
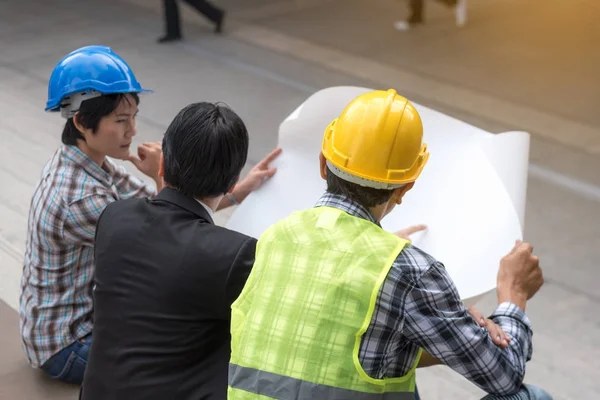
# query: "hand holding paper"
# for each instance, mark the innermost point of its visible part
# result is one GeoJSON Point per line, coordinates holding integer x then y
{"type": "Point", "coordinates": [520, 275]}
{"type": "Point", "coordinates": [257, 176]}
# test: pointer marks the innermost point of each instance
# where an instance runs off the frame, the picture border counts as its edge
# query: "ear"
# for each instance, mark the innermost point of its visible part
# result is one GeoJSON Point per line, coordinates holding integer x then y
{"type": "Point", "coordinates": [400, 192]}
{"type": "Point", "coordinates": [161, 166]}
{"type": "Point", "coordinates": [234, 185]}
{"type": "Point", "coordinates": [82, 129]}
{"type": "Point", "coordinates": [323, 166]}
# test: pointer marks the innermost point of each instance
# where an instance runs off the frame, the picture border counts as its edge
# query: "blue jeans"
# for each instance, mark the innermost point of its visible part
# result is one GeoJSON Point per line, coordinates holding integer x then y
{"type": "Point", "coordinates": [68, 365]}
{"type": "Point", "coordinates": [527, 392]}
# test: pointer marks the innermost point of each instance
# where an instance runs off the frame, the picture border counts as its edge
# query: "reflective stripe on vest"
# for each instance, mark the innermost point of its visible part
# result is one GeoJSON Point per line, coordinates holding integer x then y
{"type": "Point", "coordinates": [297, 326]}
{"type": "Point", "coordinates": [286, 388]}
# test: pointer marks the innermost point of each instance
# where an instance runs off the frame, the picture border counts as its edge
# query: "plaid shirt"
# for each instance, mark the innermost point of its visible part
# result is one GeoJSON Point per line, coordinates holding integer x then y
{"type": "Point", "coordinates": [56, 301]}
{"type": "Point", "coordinates": [419, 307]}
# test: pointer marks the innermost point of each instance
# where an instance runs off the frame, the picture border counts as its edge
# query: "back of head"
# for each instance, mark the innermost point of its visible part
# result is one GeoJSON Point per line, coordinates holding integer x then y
{"type": "Point", "coordinates": [204, 148]}
{"type": "Point", "coordinates": [374, 147]}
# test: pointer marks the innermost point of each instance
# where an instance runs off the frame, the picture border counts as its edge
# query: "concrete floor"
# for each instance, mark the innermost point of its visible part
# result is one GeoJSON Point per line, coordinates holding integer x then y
{"type": "Point", "coordinates": [276, 53]}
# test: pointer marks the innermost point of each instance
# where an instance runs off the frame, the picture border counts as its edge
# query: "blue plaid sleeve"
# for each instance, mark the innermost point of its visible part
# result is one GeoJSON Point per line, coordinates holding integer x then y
{"type": "Point", "coordinates": [81, 218]}
{"type": "Point", "coordinates": [437, 321]}
{"type": "Point", "coordinates": [129, 186]}
{"type": "Point", "coordinates": [515, 323]}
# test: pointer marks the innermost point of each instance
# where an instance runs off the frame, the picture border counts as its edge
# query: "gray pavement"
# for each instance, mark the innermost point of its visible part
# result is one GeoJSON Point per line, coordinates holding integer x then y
{"type": "Point", "coordinates": [520, 64]}
{"type": "Point", "coordinates": [276, 53]}
{"type": "Point", "coordinates": [537, 46]}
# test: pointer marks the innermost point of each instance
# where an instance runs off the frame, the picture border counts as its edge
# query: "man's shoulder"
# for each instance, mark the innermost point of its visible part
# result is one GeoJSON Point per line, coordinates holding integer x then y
{"type": "Point", "coordinates": [59, 186]}
{"type": "Point", "coordinates": [417, 255]}
{"type": "Point", "coordinates": [413, 262]}
{"type": "Point", "coordinates": [233, 238]}
{"type": "Point", "coordinates": [64, 179]}
{"type": "Point", "coordinates": [219, 248]}
{"type": "Point", "coordinates": [173, 216]}
{"type": "Point", "coordinates": [116, 208]}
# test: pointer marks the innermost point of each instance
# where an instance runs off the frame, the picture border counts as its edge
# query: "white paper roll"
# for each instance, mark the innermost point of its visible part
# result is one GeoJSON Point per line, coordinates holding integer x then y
{"type": "Point", "coordinates": [471, 193]}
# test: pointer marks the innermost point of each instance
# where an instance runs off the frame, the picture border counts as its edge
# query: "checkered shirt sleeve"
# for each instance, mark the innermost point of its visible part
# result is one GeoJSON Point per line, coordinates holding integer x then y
{"type": "Point", "coordinates": [419, 307]}
{"type": "Point", "coordinates": [83, 213]}
{"type": "Point", "coordinates": [437, 321]}
{"type": "Point", "coordinates": [129, 186]}
{"type": "Point", "coordinates": [81, 219]}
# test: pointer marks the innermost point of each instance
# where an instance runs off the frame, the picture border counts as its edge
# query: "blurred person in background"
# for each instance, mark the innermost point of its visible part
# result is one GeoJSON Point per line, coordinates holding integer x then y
{"type": "Point", "coordinates": [172, 20]}
{"type": "Point", "coordinates": [416, 13]}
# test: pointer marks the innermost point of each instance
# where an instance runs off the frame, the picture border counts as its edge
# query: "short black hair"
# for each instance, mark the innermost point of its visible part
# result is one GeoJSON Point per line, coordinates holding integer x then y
{"type": "Point", "coordinates": [91, 112]}
{"type": "Point", "coordinates": [365, 196]}
{"type": "Point", "coordinates": [204, 148]}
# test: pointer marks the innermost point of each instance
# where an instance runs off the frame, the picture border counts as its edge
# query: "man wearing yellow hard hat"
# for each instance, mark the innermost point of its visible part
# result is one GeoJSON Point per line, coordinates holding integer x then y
{"type": "Point", "coordinates": [337, 308]}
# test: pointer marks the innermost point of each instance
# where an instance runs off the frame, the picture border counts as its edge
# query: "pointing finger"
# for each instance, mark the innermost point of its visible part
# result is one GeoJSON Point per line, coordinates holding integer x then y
{"type": "Point", "coordinates": [267, 173]}
{"type": "Point", "coordinates": [414, 229]}
{"type": "Point", "coordinates": [270, 157]}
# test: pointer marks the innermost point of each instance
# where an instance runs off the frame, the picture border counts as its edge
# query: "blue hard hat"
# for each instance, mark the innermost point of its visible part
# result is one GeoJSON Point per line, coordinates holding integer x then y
{"type": "Point", "coordinates": [90, 68]}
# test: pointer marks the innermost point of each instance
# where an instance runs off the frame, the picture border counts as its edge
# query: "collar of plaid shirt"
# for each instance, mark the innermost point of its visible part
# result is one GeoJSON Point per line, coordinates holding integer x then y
{"type": "Point", "coordinates": [347, 205]}
{"type": "Point", "coordinates": [103, 174]}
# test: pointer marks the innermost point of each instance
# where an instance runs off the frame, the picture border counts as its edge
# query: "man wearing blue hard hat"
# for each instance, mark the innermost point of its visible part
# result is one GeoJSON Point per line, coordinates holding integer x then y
{"type": "Point", "coordinates": [97, 93]}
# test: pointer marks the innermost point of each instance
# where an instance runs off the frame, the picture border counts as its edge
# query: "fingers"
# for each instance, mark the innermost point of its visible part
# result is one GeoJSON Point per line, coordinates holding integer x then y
{"type": "Point", "coordinates": [270, 157]}
{"type": "Point", "coordinates": [497, 334]}
{"type": "Point", "coordinates": [524, 246]}
{"type": "Point", "coordinates": [516, 246]}
{"type": "Point", "coordinates": [148, 148]}
{"type": "Point", "coordinates": [414, 229]}
{"type": "Point", "coordinates": [152, 144]}
{"type": "Point", "coordinates": [134, 160]}
{"type": "Point", "coordinates": [266, 173]}
{"type": "Point", "coordinates": [521, 246]}
{"type": "Point", "coordinates": [477, 315]}
{"type": "Point", "coordinates": [405, 233]}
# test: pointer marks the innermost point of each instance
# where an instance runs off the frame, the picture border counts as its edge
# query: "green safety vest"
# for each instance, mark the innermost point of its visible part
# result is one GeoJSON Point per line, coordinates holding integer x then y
{"type": "Point", "coordinates": [298, 323]}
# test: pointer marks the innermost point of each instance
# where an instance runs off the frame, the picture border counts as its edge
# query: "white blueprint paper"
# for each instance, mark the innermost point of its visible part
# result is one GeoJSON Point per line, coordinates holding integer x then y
{"type": "Point", "coordinates": [471, 193]}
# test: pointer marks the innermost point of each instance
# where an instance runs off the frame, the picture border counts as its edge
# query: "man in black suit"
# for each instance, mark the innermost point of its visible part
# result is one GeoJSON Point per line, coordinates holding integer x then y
{"type": "Point", "coordinates": [172, 20]}
{"type": "Point", "coordinates": [166, 275]}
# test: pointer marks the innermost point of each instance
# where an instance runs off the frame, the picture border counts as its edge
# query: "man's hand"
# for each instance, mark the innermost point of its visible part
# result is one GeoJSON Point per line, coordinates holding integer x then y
{"type": "Point", "coordinates": [519, 276]}
{"type": "Point", "coordinates": [405, 233]}
{"type": "Point", "coordinates": [257, 176]}
{"type": "Point", "coordinates": [148, 159]}
{"type": "Point", "coordinates": [496, 333]}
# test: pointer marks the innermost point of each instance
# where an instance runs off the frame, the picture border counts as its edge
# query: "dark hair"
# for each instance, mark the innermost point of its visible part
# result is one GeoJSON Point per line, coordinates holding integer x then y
{"type": "Point", "coordinates": [365, 196]}
{"type": "Point", "coordinates": [91, 112]}
{"type": "Point", "coordinates": [204, 148]}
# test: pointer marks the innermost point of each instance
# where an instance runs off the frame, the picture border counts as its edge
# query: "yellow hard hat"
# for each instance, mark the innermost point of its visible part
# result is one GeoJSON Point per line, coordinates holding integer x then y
{"type": "Point", "coordinates": [377, 141]}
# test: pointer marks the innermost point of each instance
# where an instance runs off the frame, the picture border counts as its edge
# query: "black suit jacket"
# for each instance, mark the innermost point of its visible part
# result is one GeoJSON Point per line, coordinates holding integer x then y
{"type": "Point", "coordinates": [165, 280]}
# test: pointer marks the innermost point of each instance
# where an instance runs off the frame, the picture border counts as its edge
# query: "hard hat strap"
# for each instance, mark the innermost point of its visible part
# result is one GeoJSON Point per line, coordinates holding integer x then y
{"type": "Point", "coordinates": [362, 181]}
{"type": "Point", "coordinates": [70, 104]}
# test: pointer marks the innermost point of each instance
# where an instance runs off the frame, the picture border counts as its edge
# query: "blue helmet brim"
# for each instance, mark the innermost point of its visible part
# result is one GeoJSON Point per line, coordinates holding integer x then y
{"type": "Point", "coordinates": [54, 106]}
